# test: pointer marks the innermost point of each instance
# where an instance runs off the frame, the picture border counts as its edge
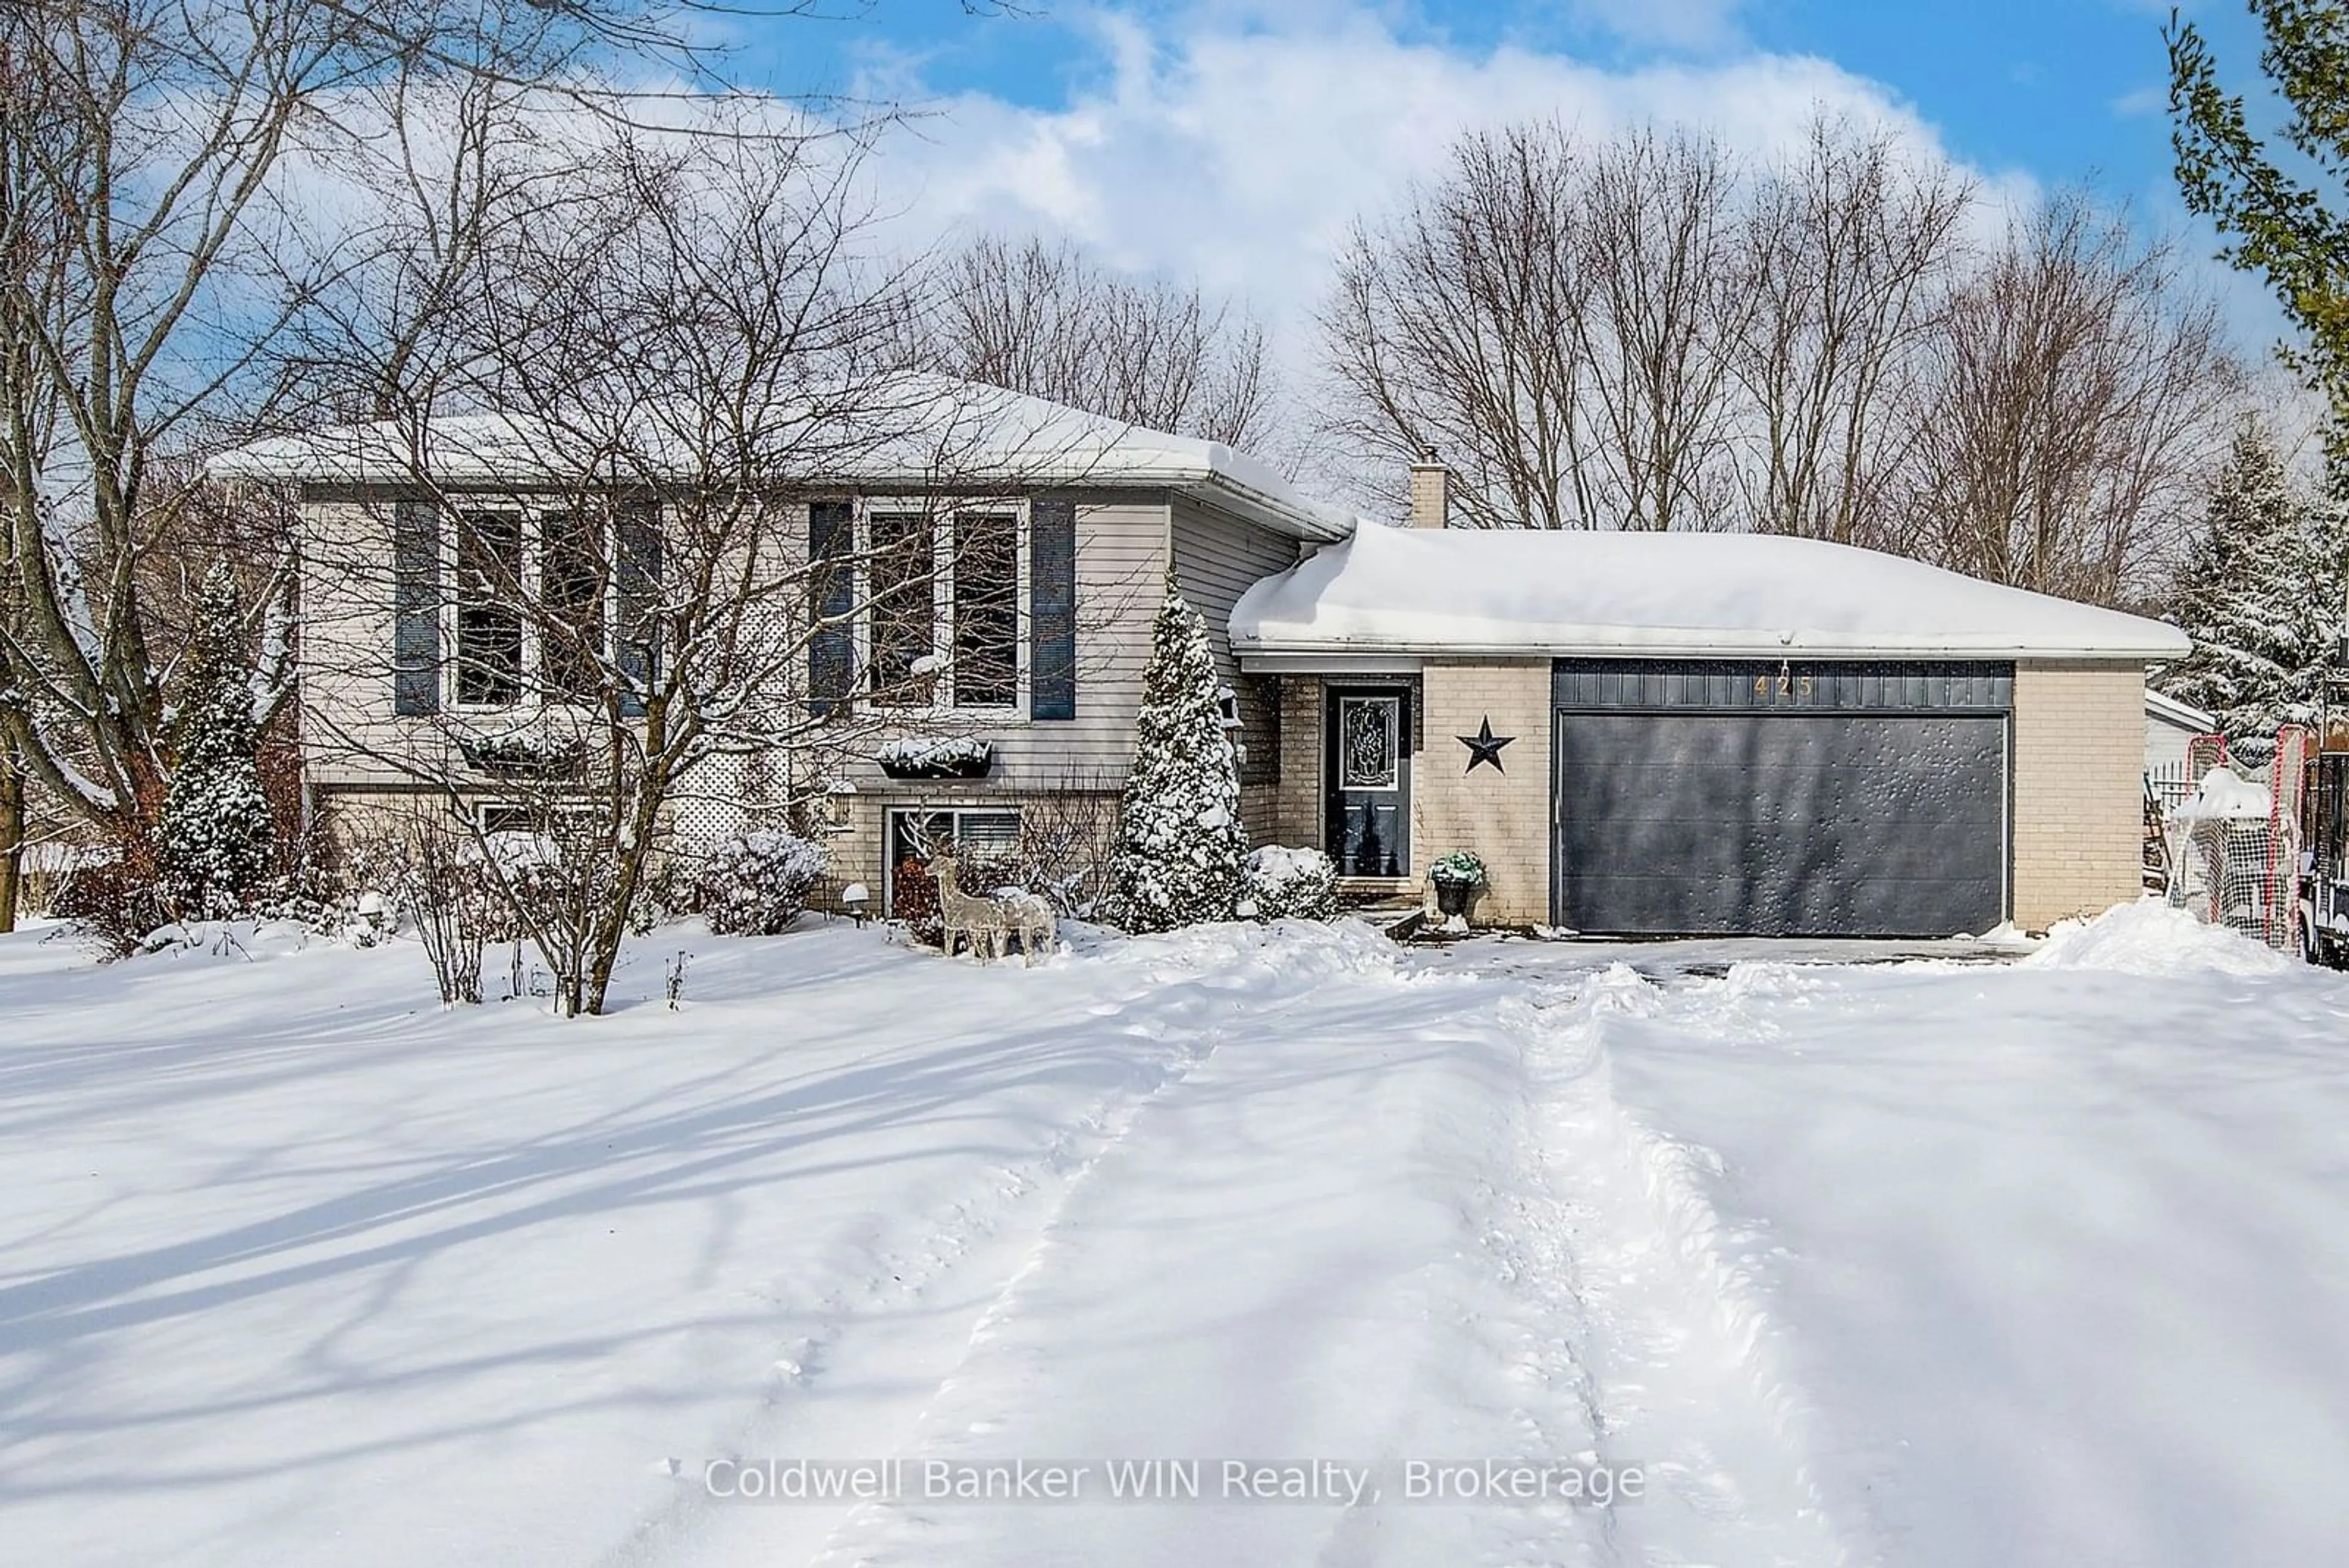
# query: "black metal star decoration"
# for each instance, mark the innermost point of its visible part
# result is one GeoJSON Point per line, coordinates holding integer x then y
{"type": "Point", "coordinates": [1485, 746]}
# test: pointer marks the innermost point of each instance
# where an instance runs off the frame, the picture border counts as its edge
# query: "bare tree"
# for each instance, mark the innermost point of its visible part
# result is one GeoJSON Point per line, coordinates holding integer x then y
{"type": "Point", "coordinates": [2075, 395]}
{"type": "Point", "coordinates": [1556, 322]}
{"type": "Point", "coordinates": [155, 251]}
{"type": "Point", "coordinates": [1640, 333]}
{"type": "Point", "coordinates": [1668, 308]}
{"type": "Point", "coordinates": [1848, 250]}
{"type": "Point", "coordinates": [1456, 328]}
{"type": "Point", "coordinates": [14, 831]}
{"type": "Point", "coordinates": [1047, 320]}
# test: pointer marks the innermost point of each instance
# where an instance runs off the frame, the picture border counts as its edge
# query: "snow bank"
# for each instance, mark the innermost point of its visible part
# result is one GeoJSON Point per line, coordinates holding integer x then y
{"type": "Point", "coordinates": [2150, 938]}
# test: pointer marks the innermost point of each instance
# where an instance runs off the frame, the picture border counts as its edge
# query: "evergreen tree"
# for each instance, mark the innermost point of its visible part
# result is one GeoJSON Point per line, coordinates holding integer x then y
{"type": "Point", "coordinates": [1182, 855]}
{"type": "Point", "coordinates": [214, 847]}
{"type": "Point", "coordinates": [2260, 596]}
{"type": "Point", "coordinates": [2225, 593]}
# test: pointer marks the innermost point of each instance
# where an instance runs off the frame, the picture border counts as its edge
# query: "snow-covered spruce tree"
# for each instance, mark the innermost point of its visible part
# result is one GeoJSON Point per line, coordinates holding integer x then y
{"type": "Point", "coordinates": [2260, 596]}
{"type": "Point", "coordinates": [1180, 854]}
{"type": "Point", "coordinates": [214, 846]}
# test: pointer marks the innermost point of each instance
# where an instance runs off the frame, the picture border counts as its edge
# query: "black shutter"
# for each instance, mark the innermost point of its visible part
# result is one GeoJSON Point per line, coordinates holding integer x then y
{"type": "Point", "coordinates": [415, 608]}
{"type": "Point", "coordinates": [638, 547]}
{"type": "Point", "coordinates": [1052, 610]}
{"type": "Point", "coordinates": [831, 600]}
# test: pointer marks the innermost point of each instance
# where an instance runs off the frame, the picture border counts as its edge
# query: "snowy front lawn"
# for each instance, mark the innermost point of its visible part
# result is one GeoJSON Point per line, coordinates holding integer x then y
{"type": "Point", "coordinates": [1915, 1264]}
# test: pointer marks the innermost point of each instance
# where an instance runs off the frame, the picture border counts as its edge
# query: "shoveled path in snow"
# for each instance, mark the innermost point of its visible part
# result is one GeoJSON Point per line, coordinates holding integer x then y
{"type": "Point", "coordinates": [1396, 1216]}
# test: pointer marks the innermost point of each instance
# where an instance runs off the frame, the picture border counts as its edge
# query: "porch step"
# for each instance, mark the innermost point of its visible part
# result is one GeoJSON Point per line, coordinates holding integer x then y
{"type": "Point", "coordinates": [1401, 922]}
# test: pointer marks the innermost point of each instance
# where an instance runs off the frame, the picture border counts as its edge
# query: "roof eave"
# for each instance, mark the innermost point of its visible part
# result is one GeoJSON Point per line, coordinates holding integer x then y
{"type": "Point", "coordinates": [1292, 650]}
{"type": "Point", "coordinates": [1273, 512]}
{"type": "Point", "coordinates": [1234, 496]}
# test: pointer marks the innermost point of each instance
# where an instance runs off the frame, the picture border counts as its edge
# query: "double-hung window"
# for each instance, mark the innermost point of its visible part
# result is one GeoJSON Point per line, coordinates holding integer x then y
{"type": "Point", "coordinates": [491, 589]}
{"type": "Point", "coordinates": [939, 626]}
{"type": "Point", "coordinates": [904, 616]}
{"type": "Point", "coordinates": [539, 602]}
{"type": "Point", "coordinates": [986, 572]}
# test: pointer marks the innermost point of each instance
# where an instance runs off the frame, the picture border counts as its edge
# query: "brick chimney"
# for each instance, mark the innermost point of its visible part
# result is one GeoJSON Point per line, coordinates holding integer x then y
{"type": "Point", "coordinates": [1431, 492]}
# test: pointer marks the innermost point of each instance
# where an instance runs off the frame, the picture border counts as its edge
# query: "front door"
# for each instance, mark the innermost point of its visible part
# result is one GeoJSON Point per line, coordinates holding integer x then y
{"type": "Point", "coordinates": [1369, 771]}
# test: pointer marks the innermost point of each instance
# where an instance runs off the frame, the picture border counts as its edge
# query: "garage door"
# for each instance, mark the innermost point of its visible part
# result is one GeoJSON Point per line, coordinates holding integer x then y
{"type": "Point", "coordinates": [1863, 801]}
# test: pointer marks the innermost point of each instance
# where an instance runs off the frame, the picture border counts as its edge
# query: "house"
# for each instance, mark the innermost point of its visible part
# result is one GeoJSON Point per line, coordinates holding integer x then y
{"type": "Point", "coordinates": [1638, 733]}
{"type": "Point", "coordinates": [2169, 725]}
{"type": "Point", "coordinates": [1038, 670]}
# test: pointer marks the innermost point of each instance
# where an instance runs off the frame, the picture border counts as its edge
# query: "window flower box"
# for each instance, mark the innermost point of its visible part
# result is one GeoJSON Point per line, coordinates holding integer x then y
{"type": "Point", "coordinates": [950, 759]}
{"type": "Point", "coordinates": [522, 756]}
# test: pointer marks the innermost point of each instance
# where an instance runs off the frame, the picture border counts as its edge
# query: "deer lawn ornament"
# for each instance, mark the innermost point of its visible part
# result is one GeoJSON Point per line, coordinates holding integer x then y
{"type": "Point", "coordinates": [988, 924]}
{"type": "Point", "coordinates": [966, 918]}
{"type": "Point", "coordinates": [1031, 922]}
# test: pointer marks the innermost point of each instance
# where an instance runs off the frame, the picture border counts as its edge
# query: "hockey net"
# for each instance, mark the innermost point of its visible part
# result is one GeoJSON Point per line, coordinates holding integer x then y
{"type": "Point", "coordinates": [2234, 846]}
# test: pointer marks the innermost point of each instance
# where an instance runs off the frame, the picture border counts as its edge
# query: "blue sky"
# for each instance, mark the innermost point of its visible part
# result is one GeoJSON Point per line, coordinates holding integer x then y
{"type": "Point", "coordinates": [2067, 90]}
{"type": "Point", "coordinates": [1231, 140]}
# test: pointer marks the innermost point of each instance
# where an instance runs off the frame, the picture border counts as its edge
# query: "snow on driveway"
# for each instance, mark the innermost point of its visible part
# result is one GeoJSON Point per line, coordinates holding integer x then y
{"type": "Point", "coordinates": [2056, 1256]}
{"type": "Point", "coordinates": [1913, 1263]}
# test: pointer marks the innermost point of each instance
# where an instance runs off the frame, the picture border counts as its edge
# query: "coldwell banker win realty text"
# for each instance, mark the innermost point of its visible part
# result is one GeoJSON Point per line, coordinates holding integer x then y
{"type": "Point", "coordinates": [1325, 1481]}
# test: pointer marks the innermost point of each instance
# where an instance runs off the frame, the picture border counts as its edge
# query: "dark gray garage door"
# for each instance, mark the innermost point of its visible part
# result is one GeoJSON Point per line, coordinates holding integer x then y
{"type": "Point", "coordinates": [1848, 816]}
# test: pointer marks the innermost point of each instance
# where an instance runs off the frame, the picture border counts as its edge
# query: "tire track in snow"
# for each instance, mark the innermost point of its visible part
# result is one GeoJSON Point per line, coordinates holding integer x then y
{"type": "Point", "coordinates": [1687, 1379]}
{"type": "Point", "coordinates": [1204, 1007]}
{"type": "Point", "coordinates": [886, 1332]}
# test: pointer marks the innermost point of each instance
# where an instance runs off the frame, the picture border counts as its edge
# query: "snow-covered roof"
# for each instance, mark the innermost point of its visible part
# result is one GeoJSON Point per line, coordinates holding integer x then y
{"type": "Point", "coordinates": [910, 429]}
{"type": "Point", "coordinates": [2178, 715]}
{"type": "Point", "coordinates": [1392, 591]}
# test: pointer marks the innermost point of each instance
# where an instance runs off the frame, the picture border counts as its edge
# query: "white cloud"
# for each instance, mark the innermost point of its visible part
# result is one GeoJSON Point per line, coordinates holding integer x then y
{"type": "Point", "coordinates": [1237, 153]}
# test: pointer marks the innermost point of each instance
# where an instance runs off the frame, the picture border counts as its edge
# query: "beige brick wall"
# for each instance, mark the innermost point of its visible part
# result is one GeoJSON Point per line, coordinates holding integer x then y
{"type": "Point", "coordinates": [1431, 495]}
{"type": "Point", "coordinates": [1297, 815]}
{"type": "Point", "coordinates": [2079, 790]}
{"type": "Point", "coordinates": [1504, 817]}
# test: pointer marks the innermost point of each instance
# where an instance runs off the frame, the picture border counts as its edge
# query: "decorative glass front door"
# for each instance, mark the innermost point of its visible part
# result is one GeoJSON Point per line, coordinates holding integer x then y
{"type": "Point", "coordinates": [1369, 768]}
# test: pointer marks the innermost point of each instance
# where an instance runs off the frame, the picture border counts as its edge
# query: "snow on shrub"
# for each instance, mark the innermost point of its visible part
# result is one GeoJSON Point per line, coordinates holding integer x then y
{"type": "Point", "coordinates": [1461, 866]}
{"type": "Point", "coordinates": [1290, 884]}
{"type": "Point", "coordinates": [756, 884]}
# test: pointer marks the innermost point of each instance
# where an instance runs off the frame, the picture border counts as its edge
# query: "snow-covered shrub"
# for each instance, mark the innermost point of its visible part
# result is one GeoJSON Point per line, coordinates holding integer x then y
{"type": "Point", "coordinates": [1066, 838]}
{"type": "Point", "coordinates": [439, 883]}
{"type": "Point", "coordinates": [756, 884]}
{"type": "Point", "coordinates": [1180, 854]}
{"type": "Point", "coordinates": [1290, 884]}
{"type": "Point", "coordinates": [214, 848]}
